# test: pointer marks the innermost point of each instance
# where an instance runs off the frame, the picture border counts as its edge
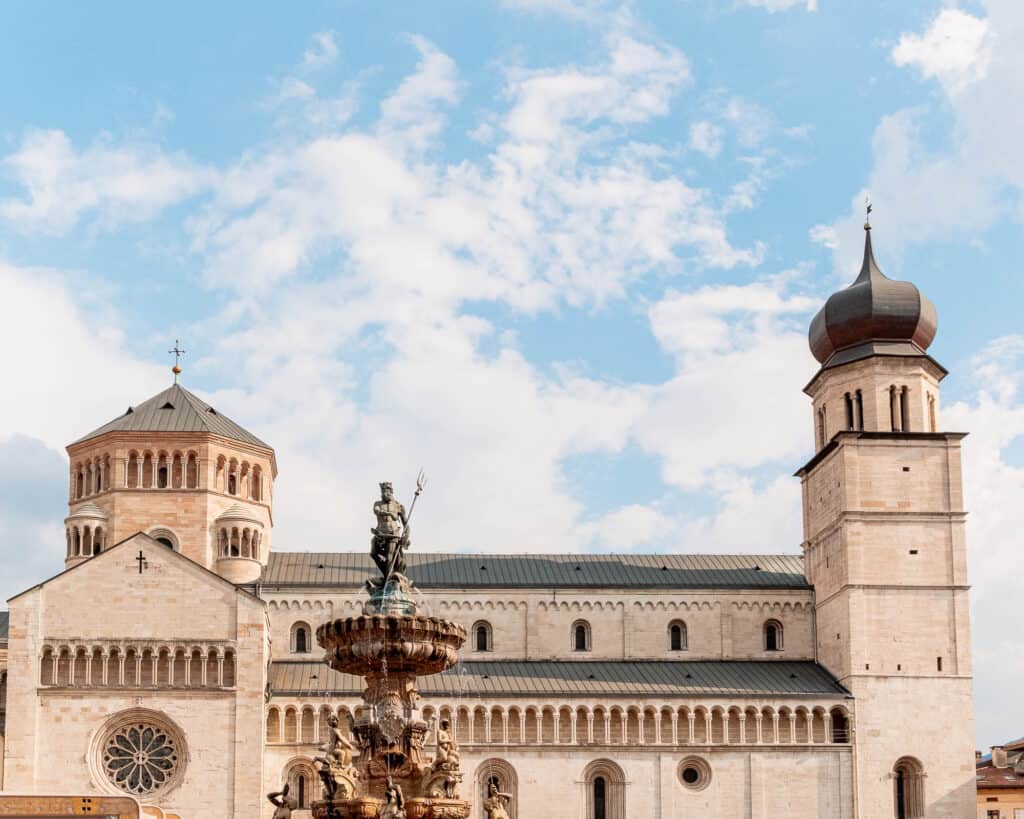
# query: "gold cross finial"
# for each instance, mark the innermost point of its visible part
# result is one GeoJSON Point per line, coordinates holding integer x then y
{"type": "Point", "coordinates": [177, 352]}
{"type": "Point", "coordinates": [867, 214]}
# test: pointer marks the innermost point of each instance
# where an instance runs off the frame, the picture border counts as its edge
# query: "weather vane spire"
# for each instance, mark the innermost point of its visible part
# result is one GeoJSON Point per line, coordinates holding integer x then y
{"type": "Point", "coordinates": [867, 214]}
{"type": "Point", "coordinates": [177, 352]}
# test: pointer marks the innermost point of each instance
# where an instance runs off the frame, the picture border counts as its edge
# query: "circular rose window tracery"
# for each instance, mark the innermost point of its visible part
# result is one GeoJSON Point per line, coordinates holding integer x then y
{"type": "Point", "coordinates": [139, 752]}
{"type": "Point", "coordinates": [140, 758]}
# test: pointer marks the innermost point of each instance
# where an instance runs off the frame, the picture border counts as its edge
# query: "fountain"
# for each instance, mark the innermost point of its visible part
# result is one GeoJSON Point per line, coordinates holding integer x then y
{"type": "Point", "coordinates": [386, 773]}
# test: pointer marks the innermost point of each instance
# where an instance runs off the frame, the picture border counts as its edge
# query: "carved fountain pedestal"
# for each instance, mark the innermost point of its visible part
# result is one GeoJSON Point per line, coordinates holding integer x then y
{"type": "Point", "coordinates": [389, 646]}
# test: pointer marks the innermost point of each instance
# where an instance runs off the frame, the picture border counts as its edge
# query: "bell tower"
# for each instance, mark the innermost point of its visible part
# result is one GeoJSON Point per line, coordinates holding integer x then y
{"type": "Point", "coordinates": [180, 471]}
{"type": "Point", "coordinates": [884, 548]}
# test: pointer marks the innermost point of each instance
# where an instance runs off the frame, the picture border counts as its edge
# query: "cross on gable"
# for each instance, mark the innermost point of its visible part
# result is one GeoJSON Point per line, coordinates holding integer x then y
{"type": "Point", "coordinates": [141, 559]}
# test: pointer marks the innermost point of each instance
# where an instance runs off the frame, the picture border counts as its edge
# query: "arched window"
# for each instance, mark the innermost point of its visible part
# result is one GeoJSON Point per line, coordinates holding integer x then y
{"type": "Point", "coordinates": [606, 790]}
{"type": "Point", "coordinates": [848, 403]}
{"type": "Point", "coordinates": [79, 484]}
{"type": "Point", "coordinates": [600, 798]}
{"type": "Point", "coordinates": [858, 407]}
{"type": "Point", "coordinates": [677, 636]}
{"type": "Point", "coordinates": [773, 636]}
{"type": "Point", "coordinates": [161, 477]}
{"type": "Point", "coordinates": [908, 788]}
{"type": "Point", "coordinates": [822, 428]}
{"type": "Point", "coordinates": [505, 791]}
{"type": "Point", "coordinates": [301, 643]}
{"type": "Point", "coordinates": [301, 781]}
{"type": "Point", "coordinates": [482, 636]}
{"type": "Point", "coordinates": [581, 636]}
{"type": "Point", "coordinates": [840, 726]}
{"type": "Point", "coordinates": [165, 537]}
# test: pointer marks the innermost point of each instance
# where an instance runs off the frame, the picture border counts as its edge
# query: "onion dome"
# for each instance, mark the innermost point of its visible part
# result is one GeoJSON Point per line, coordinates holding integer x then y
{"type": "Point", "coordinates": [873, 316]}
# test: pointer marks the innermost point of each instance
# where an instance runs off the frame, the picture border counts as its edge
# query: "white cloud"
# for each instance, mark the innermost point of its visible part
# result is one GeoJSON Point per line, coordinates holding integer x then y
{"type": "Point", "coordinates": [956, 49]}
{"type": "Point", "coordinates": [322, 51]}
{"type": "Point", "coordinates": [706, 138]}
{"type": "Point", "coordinates": [72, 359]}
{"type": "Point", "coordinates": [116, 184]}
{"type": "Point", "coordinates": [993, 486]}
{"type": "Point", "coordinates": [742, 361]}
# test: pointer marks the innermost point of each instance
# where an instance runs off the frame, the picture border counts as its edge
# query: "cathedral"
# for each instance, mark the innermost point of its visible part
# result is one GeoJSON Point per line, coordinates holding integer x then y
{"type": "Point", "coordinates": [176, 658]}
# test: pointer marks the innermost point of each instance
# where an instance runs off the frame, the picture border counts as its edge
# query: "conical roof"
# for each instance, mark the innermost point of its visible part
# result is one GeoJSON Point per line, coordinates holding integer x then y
{"type": "Point", "coordinates": [875, 314]}
{"type": "Point", "coordinates": [176, 410]}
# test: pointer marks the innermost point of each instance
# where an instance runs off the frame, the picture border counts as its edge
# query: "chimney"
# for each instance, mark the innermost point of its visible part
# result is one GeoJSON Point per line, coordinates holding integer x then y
{"type": "Point", "coordinates": [999, 756]}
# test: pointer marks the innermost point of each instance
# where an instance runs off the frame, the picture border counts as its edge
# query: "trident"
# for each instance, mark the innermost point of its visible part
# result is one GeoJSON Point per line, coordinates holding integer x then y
{"type": "Point", "coordinates": [421, 481]}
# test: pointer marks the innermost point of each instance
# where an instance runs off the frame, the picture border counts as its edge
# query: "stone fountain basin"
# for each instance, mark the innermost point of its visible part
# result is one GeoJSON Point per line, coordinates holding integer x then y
{"type": "Point", "coordinates": [409, 642]}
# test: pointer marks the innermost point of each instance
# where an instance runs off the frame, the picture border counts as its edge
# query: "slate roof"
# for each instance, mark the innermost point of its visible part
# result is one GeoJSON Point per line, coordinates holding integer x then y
{"type": "Point", "coordinates": [185, 413]}
{"type": "Point", "coordinates": [545, 678]}
{"type": "Point", "coordinates": [564, 571]}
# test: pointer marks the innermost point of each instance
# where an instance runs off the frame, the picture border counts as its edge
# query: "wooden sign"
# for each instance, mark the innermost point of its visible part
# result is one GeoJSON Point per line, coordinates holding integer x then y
{"type": "Point", "coordinates": [50, 807]}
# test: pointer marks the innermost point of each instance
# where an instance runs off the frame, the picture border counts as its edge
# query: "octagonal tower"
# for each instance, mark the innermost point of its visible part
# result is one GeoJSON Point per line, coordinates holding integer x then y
{"type": "Point", "coordinates": [180, 471]}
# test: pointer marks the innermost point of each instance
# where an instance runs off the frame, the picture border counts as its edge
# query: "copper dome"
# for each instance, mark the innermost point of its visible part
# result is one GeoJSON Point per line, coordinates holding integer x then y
{"type": "Point", "coordinates": [873, 312]}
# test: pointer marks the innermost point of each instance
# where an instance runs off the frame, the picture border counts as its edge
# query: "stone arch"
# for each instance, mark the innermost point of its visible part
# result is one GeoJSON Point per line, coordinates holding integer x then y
{"type": "Point", "coordinates": [301, 641]}
{"type": "Point", "coordinates": [581, 636]}
{"type": "Point", "coordinates": [773, 635]}
{"type": "Point", "coordinates": [908, 788]}
{"type": "Point", "coordinates": [302, 781]}
{"type": "Point", "coordinates": [605, 785]}
{"type": "Point", "coordinates": [504, 775]}
{"type": "Point", "coordinates": [165, 537]}
{"type": "Point", "coordinates": [482, 636]}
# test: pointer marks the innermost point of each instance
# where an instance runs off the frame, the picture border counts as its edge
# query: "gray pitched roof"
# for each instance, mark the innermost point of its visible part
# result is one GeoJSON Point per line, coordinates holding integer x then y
{"type": "Point", "coordinates": [462, 571]}
{"type": "Point", "coordinates": [597, 678]}
{"type": "Point", "coordinates": [176, 410]}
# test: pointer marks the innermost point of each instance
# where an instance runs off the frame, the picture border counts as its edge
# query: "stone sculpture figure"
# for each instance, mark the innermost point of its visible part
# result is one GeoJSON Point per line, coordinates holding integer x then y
{"type": "Point", "coordinates": [497, 803]}
{"type": "Point", "coordinates": [390, 535]}
{"type": "Point", "coordinates": [394, 802]}
{"type": "Point", "coordinates": [283, 803]}
{"type": "Point", "coordinates": [447, 748]}
{"type": "Point", "coordinates": [335, 766]}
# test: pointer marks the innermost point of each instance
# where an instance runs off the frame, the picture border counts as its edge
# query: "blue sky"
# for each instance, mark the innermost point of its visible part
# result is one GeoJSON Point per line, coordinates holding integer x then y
{"type": "Point", "coordinates": [560, 253]}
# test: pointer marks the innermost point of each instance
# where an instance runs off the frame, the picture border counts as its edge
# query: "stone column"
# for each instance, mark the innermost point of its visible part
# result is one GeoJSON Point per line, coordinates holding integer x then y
{"type": "Point", "coordinates": [725, 728]}
{"type": "Point", "coordinates": [572, 727]}
{"type": "Point", "coordinates": [760, 728]}
{"type": "Point", "coordinates": [775, 728]}
{"type": "Point", "coordinates": [590, 728]}
{"type": "Point", "coordinates": [540, 727]}
{"type": "Point", "coordinates": [88, 669]}
{"type": "Point", "coordinates": [640, 728]}
{"type": "Point", "coordinates": [675, 727]}
{"type": "Point", "coordinates": [220, 670]}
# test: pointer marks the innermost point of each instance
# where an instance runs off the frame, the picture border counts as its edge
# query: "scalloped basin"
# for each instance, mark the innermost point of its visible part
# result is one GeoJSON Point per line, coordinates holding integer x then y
{"type": "Point", "coordinates": [410, 643]}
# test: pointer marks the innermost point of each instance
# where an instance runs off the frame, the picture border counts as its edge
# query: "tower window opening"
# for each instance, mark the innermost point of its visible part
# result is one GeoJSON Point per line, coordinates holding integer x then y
{"type": "Point", "coordinates": [773, 636]}
{"type": "Point", "coordinates": [858, 408]}
{"type": "Point", "coordinates": [932, 425]}
{"type": "Point", "coordinates": [822, 428]}
{"type": "Point", "coordinates": [894, 410]}
{"type": "Point", "coordinates": [905, 409]}
{"type": "Point", "coordinates": [938, 664]}
{"type": "Point", "coordinates": [848, 403]}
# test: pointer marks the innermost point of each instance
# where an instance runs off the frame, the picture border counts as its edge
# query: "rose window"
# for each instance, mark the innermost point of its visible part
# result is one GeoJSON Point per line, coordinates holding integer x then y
{"type": "Point", "coordinates": [140, 757]}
